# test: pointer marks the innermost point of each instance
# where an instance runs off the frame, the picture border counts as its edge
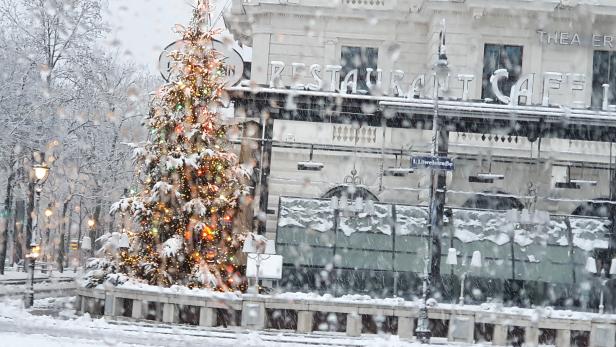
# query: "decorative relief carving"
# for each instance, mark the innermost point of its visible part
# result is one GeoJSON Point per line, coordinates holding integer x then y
{"type": "Point", "coordinates": [350, 134]}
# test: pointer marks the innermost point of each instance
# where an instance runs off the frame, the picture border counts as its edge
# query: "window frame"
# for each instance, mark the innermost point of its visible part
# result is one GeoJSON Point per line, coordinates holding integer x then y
{"type": "Point", "coordinates": [596, 99]}
{"type": "Point", "coordinates": [514, 76]}
{"type": "Point", "coordinates": [365, 60]}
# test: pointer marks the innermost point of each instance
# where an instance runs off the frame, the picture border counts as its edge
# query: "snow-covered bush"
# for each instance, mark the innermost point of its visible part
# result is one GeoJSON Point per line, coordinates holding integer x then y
{"type": "Point", "coordinates": [105, 268]}
{"type": "Point", "coordinates": [98, 270]}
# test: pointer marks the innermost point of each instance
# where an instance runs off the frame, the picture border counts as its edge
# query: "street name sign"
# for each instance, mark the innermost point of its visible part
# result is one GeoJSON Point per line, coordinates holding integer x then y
{"type": "Point", "coordinates": [430, 162]}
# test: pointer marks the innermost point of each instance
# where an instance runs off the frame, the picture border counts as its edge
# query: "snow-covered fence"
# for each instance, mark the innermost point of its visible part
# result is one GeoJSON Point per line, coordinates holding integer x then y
{"type": "Point", "coordinates": [354, 315]}
{"type": "Point", "coordinates": [381, 252]}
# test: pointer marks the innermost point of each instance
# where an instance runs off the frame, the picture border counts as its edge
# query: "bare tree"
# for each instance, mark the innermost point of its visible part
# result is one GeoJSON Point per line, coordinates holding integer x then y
{"type": "Point", "coordinates": [60, 95]}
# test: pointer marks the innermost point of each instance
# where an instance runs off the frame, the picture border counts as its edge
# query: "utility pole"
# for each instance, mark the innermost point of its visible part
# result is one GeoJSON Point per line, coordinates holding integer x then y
{"type": "Point", "coordinates": [265, 160]}
{"type": "Point", "coordinates": [612, 209]}
{"type": "Point", "coordinates": [437, 198]}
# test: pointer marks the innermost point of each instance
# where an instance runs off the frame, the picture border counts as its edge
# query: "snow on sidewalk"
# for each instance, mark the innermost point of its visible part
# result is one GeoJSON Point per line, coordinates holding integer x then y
{"type": "Point", "coordinates": [11, 275]}
{"type": "Point", "coordinates": [18, 327]}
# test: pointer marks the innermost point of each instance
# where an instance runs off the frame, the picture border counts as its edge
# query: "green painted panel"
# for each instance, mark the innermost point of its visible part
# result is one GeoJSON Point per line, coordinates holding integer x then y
{"type": "Point", "coordinates": [409, 262]}
{"type": "Point", "coordinates": [410, 243]}
{"type": "Point", "coordinates": [309, 256]}
{"type": "Point", "coordinates": [298, 236]}
{"type": "Point", "coordinates": [365, 240]}
{"type": "Point", "coordinates": [371, 260]}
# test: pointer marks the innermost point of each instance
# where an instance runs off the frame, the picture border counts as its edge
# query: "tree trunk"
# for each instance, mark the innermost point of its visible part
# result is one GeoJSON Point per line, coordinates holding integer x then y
{"type": "Point", "coordinates": [29, 215]}
{"type": "Point", "coordinates": [93, 231]}
{"type": "Point", "coordinates": [79, 230]}
{"type": "Point", "coordinates": [18, 236]}
{"type": "Point", "coordinates": [67, 242]}
{"type": "Point", "coordinates": [4, 229]}
{"type": "Point", "coordinates": [61, 249]}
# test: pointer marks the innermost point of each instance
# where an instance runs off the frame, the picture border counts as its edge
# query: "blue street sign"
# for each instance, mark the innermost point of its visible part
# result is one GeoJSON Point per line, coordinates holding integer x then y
{"type": "Point", "coordinates": [429, 162]}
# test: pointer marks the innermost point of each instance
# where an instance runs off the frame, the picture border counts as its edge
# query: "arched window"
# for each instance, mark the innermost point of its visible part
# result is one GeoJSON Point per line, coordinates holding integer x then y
{"type": "Point", "coordinates": [351, 192]}
{"type": "Point", "coordinates": [492, 200]}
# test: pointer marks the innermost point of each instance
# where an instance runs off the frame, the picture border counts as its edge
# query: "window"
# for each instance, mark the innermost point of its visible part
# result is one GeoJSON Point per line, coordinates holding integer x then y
{"type": "Point", "coordinates": [359, 58]}
{"type": "Point", "coordinates": [501, 57]}
{"type": "Point", "coordinates": [603, 71]}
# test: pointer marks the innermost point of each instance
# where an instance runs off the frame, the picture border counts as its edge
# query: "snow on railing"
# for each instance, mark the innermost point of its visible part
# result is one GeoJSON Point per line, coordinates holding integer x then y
{"type": "Point", "coordinates": [349, 314]}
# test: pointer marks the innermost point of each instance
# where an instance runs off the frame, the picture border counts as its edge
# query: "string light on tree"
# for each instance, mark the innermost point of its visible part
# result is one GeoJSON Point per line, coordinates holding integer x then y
{"type": "Point", "coordinates": [191, 179]}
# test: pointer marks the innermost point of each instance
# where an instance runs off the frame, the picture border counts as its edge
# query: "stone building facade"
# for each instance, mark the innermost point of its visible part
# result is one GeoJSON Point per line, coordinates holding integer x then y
{"type": "Point", "coordinates": [564, 50]}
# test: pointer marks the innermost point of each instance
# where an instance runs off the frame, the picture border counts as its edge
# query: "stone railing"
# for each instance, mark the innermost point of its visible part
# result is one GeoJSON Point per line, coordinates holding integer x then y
{"type": "Point", "coordinates": [355, 316]}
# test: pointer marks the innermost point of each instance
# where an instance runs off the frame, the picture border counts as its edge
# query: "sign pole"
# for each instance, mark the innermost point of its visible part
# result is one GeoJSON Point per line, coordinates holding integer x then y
{"type": "Point", "coordinates": [440, 68]}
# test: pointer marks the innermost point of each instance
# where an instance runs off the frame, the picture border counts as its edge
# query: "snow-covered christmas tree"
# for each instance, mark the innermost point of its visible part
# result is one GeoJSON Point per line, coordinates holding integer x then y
{"type": "Point", "coordinates": [192, 183]}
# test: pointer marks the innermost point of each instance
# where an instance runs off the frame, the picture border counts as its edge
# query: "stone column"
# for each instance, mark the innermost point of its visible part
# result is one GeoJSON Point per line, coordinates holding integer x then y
{"type": "Point", "coordinates": [353, 324]}
{"type": "Point", "coordinates": [500, 335]}
{"type": "Point", "coordinates": [170, 313]}
{"type": "Point", "coordinates": [207, 316]}
{"type": "Point", "coordinates": [602, 335]}
{"type": "Point", "coordinates": [83, 307]}
{"type": "Point", "coordinates": [112, 305]}
{"type": "Point", "coordinates": [461, 329]}
{"type": "Point", "coordinates": [406, 327]}
{"type": "Point", "coordinates": [563, 338]}
{"type": "Point", "coordinates": [304, 322]}
{"type": "Point", "coordinates": [253, 315]}
{"type": "Point", "coordinates": [137, 311]}
{"type": "Point", "coordinates": [79, 304]}
{"type": "Point", "coordinates": [531, 337]}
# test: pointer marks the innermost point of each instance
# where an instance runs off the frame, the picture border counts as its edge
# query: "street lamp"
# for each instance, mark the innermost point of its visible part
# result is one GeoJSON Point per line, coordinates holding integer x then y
{"type": "Point", "coordinates": [86, 246]}
{"type": "Point", "coordinates": [591, 266]}
{"type": "Point", "coordinates": [40, 172]}
{"type": "Point", "coordinates": [91, 234]}
{"type": "Point", "coordinates": [441, 72]}
{"type": "Point", "coordinates": [476, 263]}
{"type": "Point", "coordinates": [259, 249]}
{"type": "Point", "coordinates": [48, 211]}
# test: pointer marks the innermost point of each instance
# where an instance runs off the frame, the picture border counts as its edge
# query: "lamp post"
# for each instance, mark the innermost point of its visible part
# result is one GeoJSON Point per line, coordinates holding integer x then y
{"type": "Point", "coordinates": [123, 245]}
{"type": "Point", "coordinates": [39, 173]}
{"type": "Point", "coordinates": [257, 248]}
{"type": "Point", "coordinates": [48, 214]}
{"type": "Point", "coordinates": [91, 234]}
{"type": "Point", "coordinates": [476, 263]}
{"type": "Point", "coordinates": [85, 246]}
{"type": "Point", "coordinates": [441, 71]}
{"type": "Point", "coordinates": [591, 267]}
{"type": "Point", "coordinates": [31, 256]}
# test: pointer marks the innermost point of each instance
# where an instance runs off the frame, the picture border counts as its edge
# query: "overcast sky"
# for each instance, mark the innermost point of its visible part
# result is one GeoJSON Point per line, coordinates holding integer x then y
{"type": "Point", "coordinates": [142, 28]}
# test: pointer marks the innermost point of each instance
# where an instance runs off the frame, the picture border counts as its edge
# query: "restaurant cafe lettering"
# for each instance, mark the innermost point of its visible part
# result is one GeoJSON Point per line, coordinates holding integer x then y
{"type": "Point", "coordinates": [522, 92]}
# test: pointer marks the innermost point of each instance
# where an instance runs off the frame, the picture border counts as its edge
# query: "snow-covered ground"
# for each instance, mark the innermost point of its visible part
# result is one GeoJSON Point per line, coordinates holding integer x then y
{"type": "Point", "coordinates": [12, 274]}
{"type": "Point", "coordinates": [13, 283]}
{"type": "Point", "coordinates": [52, 323]}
